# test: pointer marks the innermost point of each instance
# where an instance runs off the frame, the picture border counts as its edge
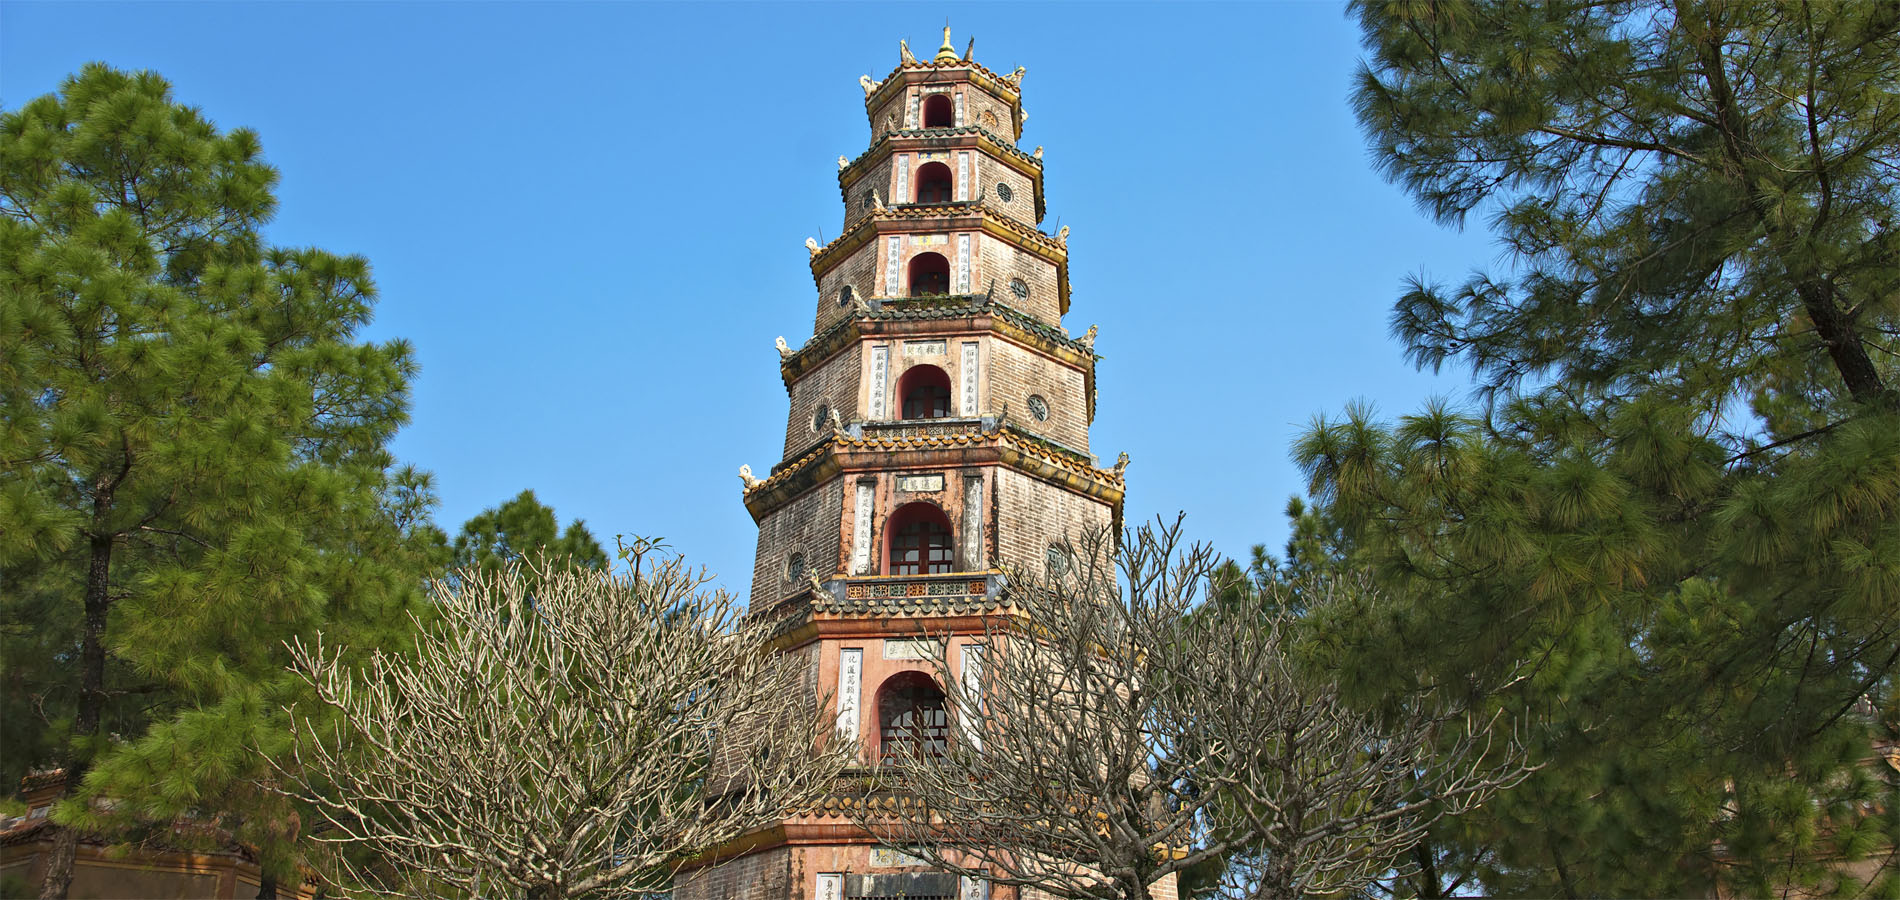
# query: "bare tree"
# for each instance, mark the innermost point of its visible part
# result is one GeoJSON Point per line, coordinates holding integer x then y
{"type": "Point", "coordinates": [1327, 798]}
{"type": "Point", "coordinates": [1070, 774]}
{"type": "Point", "coordinates": [552, 735]}
{"type": "Point", "coordinates": [1137, 719]}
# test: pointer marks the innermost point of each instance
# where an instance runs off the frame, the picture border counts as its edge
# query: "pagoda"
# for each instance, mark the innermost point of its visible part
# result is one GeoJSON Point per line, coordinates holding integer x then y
{"type": "Point", "coordinates": [938, 436]}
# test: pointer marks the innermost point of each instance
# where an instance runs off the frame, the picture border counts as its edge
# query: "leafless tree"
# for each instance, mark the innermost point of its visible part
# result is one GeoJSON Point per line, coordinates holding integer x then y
{"type": "Point", "coordinates": [552, 735]}
{"type": "Point", "coordinates": [1328, 797]}
{"type": "Point", "coordinates": [1137, 718]}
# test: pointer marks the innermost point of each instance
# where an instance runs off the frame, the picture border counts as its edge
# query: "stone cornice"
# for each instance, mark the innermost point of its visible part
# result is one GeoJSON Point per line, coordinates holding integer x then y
{"type": "Point", "coordinates": [846, 453]}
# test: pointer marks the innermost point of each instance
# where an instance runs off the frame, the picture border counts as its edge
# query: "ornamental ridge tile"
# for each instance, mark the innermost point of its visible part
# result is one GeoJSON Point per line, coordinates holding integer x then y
{"type": "Point", "coordinates": [937, 211]}
{"type": "Point", "coordinates": [954, 130]}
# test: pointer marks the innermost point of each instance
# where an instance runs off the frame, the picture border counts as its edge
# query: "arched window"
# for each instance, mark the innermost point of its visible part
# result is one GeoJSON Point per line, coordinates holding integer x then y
{"type": "Point", "coordinates": [933, 183]}
{"type": "Point", "coordinates": [939, 112]}
{"type": "Point", "coordinates": [917, 541]}
{"type": "Point", "coordinates": [911, 718]}
{"type": "Point", "coordinates": [926, 393]}
{"type": "Point", "coordinates": [929, 274]}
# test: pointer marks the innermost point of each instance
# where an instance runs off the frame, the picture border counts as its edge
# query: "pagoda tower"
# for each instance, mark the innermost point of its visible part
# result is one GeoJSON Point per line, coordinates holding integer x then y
{"type": "Point", "coordinates": [938, 436]}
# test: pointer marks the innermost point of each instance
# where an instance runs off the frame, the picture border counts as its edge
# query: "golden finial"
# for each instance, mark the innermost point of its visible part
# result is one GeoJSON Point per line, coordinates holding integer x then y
{"type": "Point", "coordinates": [947, 52]}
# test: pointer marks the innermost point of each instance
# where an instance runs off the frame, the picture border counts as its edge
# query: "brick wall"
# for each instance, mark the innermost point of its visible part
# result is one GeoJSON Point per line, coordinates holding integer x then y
{"type": "Point", "coordinates": [1031, 514]}
{"type": "Point", "coordinates": [872, 175]}
{"type": "Point", "coordinates": [1002, 261]}
{"type": "Point", "coordinates": [1021, 204]}
{"type": "Point", "coordinates": [810, 525]}
{"type": "Point", "coordinates": [859, 271]}
{"type": "Point", "coordinates": [758, 876]}
{"type": "Point", "coordinates": [1015, 373]}
{"type": "Point", "coordinates": [834, 383]}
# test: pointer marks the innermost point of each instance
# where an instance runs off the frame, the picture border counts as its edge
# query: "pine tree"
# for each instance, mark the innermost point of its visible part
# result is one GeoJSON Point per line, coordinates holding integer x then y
{"type": "Point", "coordinates": [194, 461]}
{"type": "Point", "coordinates": [1680, 502]}
{"type": "Point", "coordinates": [520, 529]}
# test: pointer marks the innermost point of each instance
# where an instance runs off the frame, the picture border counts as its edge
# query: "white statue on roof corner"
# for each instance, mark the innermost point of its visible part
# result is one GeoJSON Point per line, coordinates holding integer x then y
{"type": "Point", "coordinates": [1121, 463]}
{"type": "Point", "coordinates": [745, 476]}
{"type": "Point", "coordinates": [903, 52]}
{"type": "Point", "coordinates": [870, 87]}
{"type": "Point", "coordinates": [1016, 77]}
{"type": "Point", "coordinates": [1088, 338]}
{"type": "Point", "coordinates": [784, 349]}
{"type": "Point", "coordinates": [812, 245]}
{"type": "Point", "coordinates": [843, 162]}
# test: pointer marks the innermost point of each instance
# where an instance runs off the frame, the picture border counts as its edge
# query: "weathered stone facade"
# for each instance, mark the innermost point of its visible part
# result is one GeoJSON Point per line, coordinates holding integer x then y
{"type": "Point", "coordinates": [937, 438]}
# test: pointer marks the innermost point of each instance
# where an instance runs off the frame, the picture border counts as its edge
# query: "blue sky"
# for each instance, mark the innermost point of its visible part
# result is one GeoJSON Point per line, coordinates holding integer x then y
{"type": "Point", "coordinates": [589, 219]}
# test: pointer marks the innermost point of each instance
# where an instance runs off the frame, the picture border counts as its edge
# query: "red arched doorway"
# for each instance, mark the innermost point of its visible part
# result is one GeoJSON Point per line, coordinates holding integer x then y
{"type": "Point", "coordinates": [917, 541]}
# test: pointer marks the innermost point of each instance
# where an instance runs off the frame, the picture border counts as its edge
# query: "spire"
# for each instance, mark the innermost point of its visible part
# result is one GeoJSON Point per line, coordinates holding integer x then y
{"type": "Point", "coordinates": [947, 52]}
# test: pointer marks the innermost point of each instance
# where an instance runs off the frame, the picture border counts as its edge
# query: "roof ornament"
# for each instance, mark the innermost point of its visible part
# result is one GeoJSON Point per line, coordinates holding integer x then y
{"type": "Point", "coordinates": [947, 52]}
{"type": "Point", "coordinates": [870, 87]}
{"type": "Point", "coordinates": [1016, 77]}
{"type": "Point", "coordinates": [903, 53]}
{"type": "Point", "coordinates": [1121, 464]}
{"type": "Point", "coordinates": [812, 245]}
{"type": "Point", "coordinates": [1062, 236]}
{"type": "Point", "coordinates": [835, 421]}
{"type": "Point", "coordinates": [745, 475]}
{"type": "Point", "coordinates": [784, 349]}
{"type": "Point", "coordinates": [842, 162]}
{"type": "Point", "coordinates": [1038, 153]}
{"type": "Point", "coordinates": [877, 201]}
{"type": "Point", "coordinates": [969, 53]}
{"type": "Point", "coordinates": [1087, 339]}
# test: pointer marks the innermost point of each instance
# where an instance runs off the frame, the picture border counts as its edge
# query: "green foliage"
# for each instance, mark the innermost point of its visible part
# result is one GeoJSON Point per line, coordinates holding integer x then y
{"type": "Point", "coordinates": [192, 468]}
{"type": "Point", "coordinates": [519, 529]}
{"type": "Point", "coordinates": [1680, 504]}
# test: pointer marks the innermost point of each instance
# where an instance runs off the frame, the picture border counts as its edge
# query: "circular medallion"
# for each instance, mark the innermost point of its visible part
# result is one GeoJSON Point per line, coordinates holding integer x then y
{"type": "Point", "coordinates": [1020, 288]}
{"type": "Point", "coordinates": [1057, 558]}
{"type": "Point", "coordinates": [1039, 407]}
{"type": "Point", "coordinates": [989, 120]}
{"type": "Point", "coordinates": [1003, 191]}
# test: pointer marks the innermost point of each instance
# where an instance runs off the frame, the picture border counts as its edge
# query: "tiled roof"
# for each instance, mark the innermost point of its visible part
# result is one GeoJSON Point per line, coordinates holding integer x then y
{"type": "Point", "coordinates": [1006, 144]}
{"type": "Point", "coordinates": [1007, 435]}
{"type": "Point", "coordinates": [955, 306]}
{"type": "Point", "coordinates": [939, 211]}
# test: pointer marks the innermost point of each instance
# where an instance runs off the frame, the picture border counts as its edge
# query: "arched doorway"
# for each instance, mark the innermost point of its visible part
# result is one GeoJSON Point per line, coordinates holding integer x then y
{"type": "Point", "coordinates": [939, 112]}
{"type": "Point", "coordinates": [912, 720]}
{"type": "Point", "coordinates": [934, 183]}
{"type": "Point", "coordinates": [929, 274]}
{"type": "Point", "coordinates": [924, 393]}
{"type": "Point", "coordinates": [917, 541]}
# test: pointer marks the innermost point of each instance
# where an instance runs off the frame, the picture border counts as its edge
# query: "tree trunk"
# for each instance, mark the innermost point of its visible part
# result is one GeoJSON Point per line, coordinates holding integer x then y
{"type": "Point", "coordinates": [266, 887]}
{"type": "Point", "coordinates": [92, 689]}
{"type": "Point", "coordinates": [1428, 886]}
